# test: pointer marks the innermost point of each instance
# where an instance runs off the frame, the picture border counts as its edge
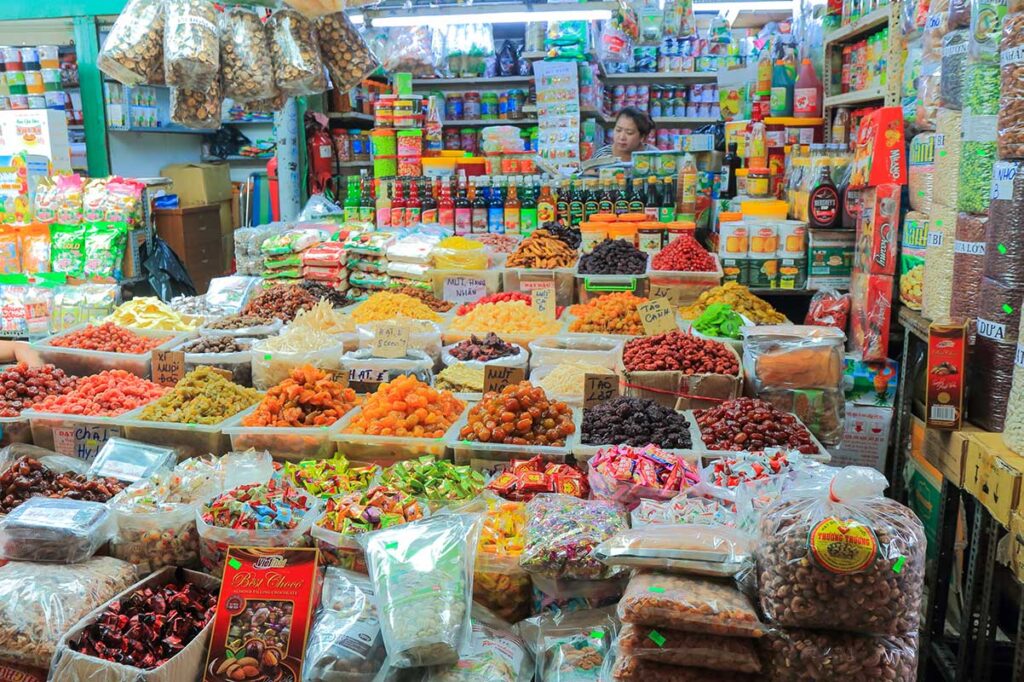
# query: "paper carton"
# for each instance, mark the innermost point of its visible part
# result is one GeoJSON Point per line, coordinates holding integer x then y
{"type": "Point", "coordinates": [878, 227]}
{"type": "Point", "coordinates": [870, 315]}
{"type": "Point", "coordinates": [993, 474]}
{"type": "Point", "coordinates": [880, 153]}
{"type": "Point", "coordinates": [829, 258]}
{"type": "Point", "coordinates": [199, 183]}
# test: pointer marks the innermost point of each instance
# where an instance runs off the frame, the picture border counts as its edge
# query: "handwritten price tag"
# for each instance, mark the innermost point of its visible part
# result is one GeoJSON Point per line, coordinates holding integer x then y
{"type": "Point", "coordinates": [657, 316]}
{"type": "Point", "coordinates": [390, 341]}
{"type": "Point", "coordinates": [599, 388]}
{"type": "Point", "coordinates": [464, 289]}
{"type": "Point", "coordinates": [168, 367]}
{"type": "Point", "coordinates": [544, 300]}
{"type": "Point", "coordinates": [497, 377]}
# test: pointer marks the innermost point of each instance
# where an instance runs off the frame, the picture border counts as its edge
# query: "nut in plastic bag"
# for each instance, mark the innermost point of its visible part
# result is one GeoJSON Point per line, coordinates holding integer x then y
{"type": "Point", "coordinates": [793, 655]}
{"type": "Point", "coordinates": [134, 49]}
{"type": "Point", "coordinates": [345, 54]}
{"type": "Point", "coordinates": [677, 647]}
{"type": "Point", "coordinates": [191, 44]}
{"type": "Point", "coordinates": [197, 108]}
{"type": "Point", "coordinates": [345, 642]}
{"type": "Point", "coordinates": [298, 69]}
{"type": "Point", "coordinates": [247, 72]}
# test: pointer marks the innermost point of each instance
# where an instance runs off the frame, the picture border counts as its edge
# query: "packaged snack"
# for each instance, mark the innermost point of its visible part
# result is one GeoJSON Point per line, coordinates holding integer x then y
{"type": "Point", "coordinates": [680, 648]}
{"type": "Point", "coordinates": [345, 643]}
{"type": "Point", "coordinates": [793, 356]}
{"type": "Point", "coordinates": [628, 474]}
{"type": "Point", "coordinates": [133, 52]}
{"type": "Point", "coordinates": [347, 516]}
{"type": "Point", "coordinates": [562, 532]}
{"type": "Point", "coordinates": [346, 55]}
{"type": "Point", "coordinates": [295, 53]}
{"type": "Point", "coordinates": [523, 479]}
{"type": "Point", "coordinates": [197, 108]}
{"type": "Point", "coordinates": [10, 262]}
{"type": "Point", "coordinates": [570, 647]}
{"type": "Point", "coordinates": [191, 44]}
{"type": "Point", "coordinates": [688, 603]}
{"type": "Point", "coordinates": [54, 530]}
{"type": "Point", "coordinates": [493, 654]}
{"type": "Point", "coordinates": [67, 249]}
{"type": "Point", "coordinates": [104, 249]}
{"type": "Point", "coordinates": [498, 581]}
{"type": "Point", "coordinates": [34, 248]}
{"type": "Point", "coordinates": [695, 549]}
{"type": "Point", "coordinates": [794, 655]}
{"type": "Point", "coordinates": [627, 668]}
{"type": "Point", "coordinates": [247, 72]}
{"type": "Point", "coordinates": [422, 574]}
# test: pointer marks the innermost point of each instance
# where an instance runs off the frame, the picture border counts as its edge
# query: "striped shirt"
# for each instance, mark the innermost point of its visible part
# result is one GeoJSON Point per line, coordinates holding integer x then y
{"type": "Point", "coordinates": [607, 151]}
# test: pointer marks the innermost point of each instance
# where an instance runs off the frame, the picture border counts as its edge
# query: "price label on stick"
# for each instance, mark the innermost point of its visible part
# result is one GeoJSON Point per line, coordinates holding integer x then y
{"type": "Point", "coordinates": [544, 300]}
{"type": "Point", "coordinates": [497, 377]}
{"type": "Point", "coordinates": [599, 388]}
{"type": "Point", "coordinates": [390, 341]}
{"type": "Point", "coordinates": [657, 316]}
{"type": "Point", "coordinates": [168, 367]}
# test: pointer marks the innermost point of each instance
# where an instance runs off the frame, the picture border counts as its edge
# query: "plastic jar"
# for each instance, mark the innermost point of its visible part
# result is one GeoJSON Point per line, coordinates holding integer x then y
{"type": "Point", "coordinates": [758, 183]}
{"type": "Point", "coordinates": [384, 143]}
{"type": "Point", "coordinates": [471, 105]}
{"type": "Point", "coordinates": [454, 109]}
{"type": "Point", "coordinates": [489, 106]}
{"type": "Point", "coordinates": [34, 82]}
{"type": "Point", "coordinates": [650, 237]}
{"type": "Point", "coordinates": [452, 139]}
{"type": "Point", "coordinates": [342, 149]}
{"type": "Point", "coordinates": [469, 141]}
{"type": "Point", "coordinates": [410, 142]}
{"type": "Point", "coordinates": [404, 113]}
{"type": "Point", "coordinates": [384, 113]}
{"type": "Point", "coordinates": [49, 56]}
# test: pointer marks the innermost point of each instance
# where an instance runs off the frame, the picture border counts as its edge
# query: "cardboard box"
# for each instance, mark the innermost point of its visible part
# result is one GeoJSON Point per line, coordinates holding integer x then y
{"type": "Point", "coordinates": [945, 375]}
{"type": "Point", "coordinates": [870, 315]}
{"type": "Point", "coordinates": [947, 451]}
{"type": "Point", "coordinates": [665, 387]}
{"type": "Point", "coordinates": [865, 437]}
{"type": "Point", "coordinates": [880, 152]}
{"type": "Point", "coordinates": [1017, 544]}
{"type": "Point", "coordinates": [186, 665]}
{"type": "Point", "coordinates": [199, 183]}
{"type": "Point", "coordinates": [871, 383]}
{"type": "Point", "coordinates": [993, 474]}
{"type": "Point", "coordinates": [878, 226]}
{"type": "Point", "coordinates": [924, 497]}
{"type": "Point", "coordinates": [829, 258]}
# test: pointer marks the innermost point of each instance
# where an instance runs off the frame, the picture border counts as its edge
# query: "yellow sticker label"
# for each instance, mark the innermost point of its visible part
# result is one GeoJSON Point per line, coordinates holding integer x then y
{"type": "Point", "coordinates": [843, 546]}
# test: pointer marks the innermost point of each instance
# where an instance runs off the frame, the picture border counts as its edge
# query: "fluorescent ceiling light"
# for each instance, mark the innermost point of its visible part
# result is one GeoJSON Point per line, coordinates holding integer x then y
{"type": "Point", "coordinates": [522, 17]}
{"type": "Point", "coordinates": [752, 6]}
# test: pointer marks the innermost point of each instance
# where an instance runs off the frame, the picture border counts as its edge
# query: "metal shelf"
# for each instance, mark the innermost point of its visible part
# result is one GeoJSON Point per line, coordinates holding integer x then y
{"type": "Point", "coordinates": [680, 77]}
{"type": "Point", "coordinates": [167, 130]}
{"type": "Point", "coordinates": [482, 123]}
{"type": "Point", "coordinates": [235, 157]}
{"type": "Point", "coordinates": [863, 26]}
{"type": "Point", "coordinates": [682, 120]}
{"type": "Point", "coordinates": [470, 83]}
{"type": "Point", "coordinates": [859, 97]}
{"type": "Point", "coordinates": [350, 116]}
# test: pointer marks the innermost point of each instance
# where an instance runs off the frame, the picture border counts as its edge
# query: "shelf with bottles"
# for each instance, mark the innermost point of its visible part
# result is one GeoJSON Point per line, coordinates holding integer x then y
{"type": "Point", "coordinates": [860, 28]}
{"type": "Point", "coordinates": [484, 122]}
{"type": "Point", "coordinates": [684, 120]}
{"type": "Point", "coordinates": [660, 77]}
{"type": "Point", "coordinates": [872, 95]}
{"type": "Point", "coordinates": [793, 121]}
{"type": "Point", "coordinates": [350, 116]}
{"type": "Point", "coordinates": [457, 83]}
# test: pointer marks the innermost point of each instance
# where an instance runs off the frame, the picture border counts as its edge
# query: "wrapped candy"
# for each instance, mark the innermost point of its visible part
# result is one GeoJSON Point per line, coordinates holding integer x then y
{"type": "Point", "coordinates": [326, 478]}
{"type": "Point", "coordinates": [749, 466]}
{"type": "Point", "coordinates": [349, 515]}
{"type": "Point", "coordinates": [498, 581]}
{"type": "Point", "coordinates": [521, 479]}
{"type": "Point", "coordinates": [562, 532]}
{"type": "Point", "coordinates": [437, 481]}
{"type": "Point", "coordinates": [628, 474]}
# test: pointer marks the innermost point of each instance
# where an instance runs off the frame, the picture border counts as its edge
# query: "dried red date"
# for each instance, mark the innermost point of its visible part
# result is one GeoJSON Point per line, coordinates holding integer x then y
{"type": "Point", "coordinates": [752, 424]}
{"type": "Point", "coordinates": [22, 386]}
{"type": "Point", "coordinates": [27, 477]}
{"type": "Point", "coordinates": [679, 351]}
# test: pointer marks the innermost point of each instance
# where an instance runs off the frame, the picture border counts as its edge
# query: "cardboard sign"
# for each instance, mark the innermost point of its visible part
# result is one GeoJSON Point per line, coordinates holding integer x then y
{"type": "Point", "coordinates": [536, 282]}
{"type": "Point", "coordinates": [657, 316]}
{"type": "Point", "coordinates": [168, 367]}
{"type": "Point", "coordinates": [339, 376]}
{"type": "Point", "coordinates": [390, 341]}
{"type": "Point", "coordinates": [82, 441]}
{"type": "Point", "coordinates": [544, 300]}
{"type": "Point", "coordinates": [464, 289]}
{"type": "Point", "coordinates": [497, 377]}
{"type": "Point", "coordinates": [599, 388]}
{"type": "Point", "coordinates": [283, 581]}
{"type": "Point", "coordinates": [226, 373]}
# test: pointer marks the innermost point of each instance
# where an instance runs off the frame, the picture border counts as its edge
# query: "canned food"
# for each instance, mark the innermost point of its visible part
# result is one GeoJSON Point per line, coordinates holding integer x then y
{"type": "Point", "coordinates": [733, 239]}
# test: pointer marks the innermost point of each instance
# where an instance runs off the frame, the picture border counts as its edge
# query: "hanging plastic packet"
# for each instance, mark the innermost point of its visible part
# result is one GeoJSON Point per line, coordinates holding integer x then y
{"type": "Point", "coordinates": [67, 249]}
{"type": "Point", "coordinates": [247, 72]}
{"type": "Point", "coordinates": [104, 249]}
{"type": "Point", "coordinates": [191, 44]}
{"type": "Point", "coordinates": [85, 303]}
{"type": "Point", "coordinates": [122, 202]}
{"type": "Point", "coordinates": [133, 52]}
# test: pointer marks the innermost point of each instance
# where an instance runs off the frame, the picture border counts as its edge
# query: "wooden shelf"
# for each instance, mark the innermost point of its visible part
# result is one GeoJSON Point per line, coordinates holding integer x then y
{"type": "Point", "coordinates": [860, 28]}
{"type": "Point", "coordinates": [860, 97]}
{"type": "Point", "coordinates": [350, 116]}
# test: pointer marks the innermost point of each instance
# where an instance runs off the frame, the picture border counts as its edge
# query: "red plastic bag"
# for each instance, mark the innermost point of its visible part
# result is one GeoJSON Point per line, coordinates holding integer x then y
{"type": "Point", "coordinates": [829, 308]}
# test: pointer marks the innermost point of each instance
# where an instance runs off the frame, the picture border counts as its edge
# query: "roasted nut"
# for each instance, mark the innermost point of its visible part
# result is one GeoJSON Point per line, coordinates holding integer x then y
{"type": "Point", "coordinates": [794, 655]}
{"type": "Point", "coordinates": [344, 52]}
{"type": "Point", "coordinates": [1010, 124]}
{"type": "Point", "coordinates": [192, 45]}
{"type": "Point", "coordinates": [197, 108]}
{"type": "Point", "coordinates": [247, 72]}
{"type": "Point", "coordinates": [134, 49]}
{"type": "Point", "coordinates": [298, 69]}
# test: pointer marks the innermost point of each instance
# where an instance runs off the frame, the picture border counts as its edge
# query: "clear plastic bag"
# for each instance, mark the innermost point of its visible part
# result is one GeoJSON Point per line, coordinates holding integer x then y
{"type": "Point", "coordinates": [954, 66]}
{"type": "Point", "coordinates": [921, 171]}
{"type": "Point", "coordinates": [994, 353]}
{"type": "Point", "coordinates": [937, 285]}
{"type": "Point", "coordinates": [197, 108]}
{"type": "Point", "coordinates": [1005, 234]}
{"type": "Point", "coordinates": [1010, 123]}
{"type": "Point", "coordinates": [978, 154]}
{"type": "Point", "coordinates": [134, 49]}
{"type": "Point", "coordinates": [842, 557]}
{"type": "Point", "coordinates": [247, 72]}
{"type": "Point", "coordinates": [793, 356]}
{"type": "Point", "coordinates": [935, 29]}
{"type": "Point", "coordinates": [623, 667]}
{"type": "Point", "coordinates": [949, 130]}
{"type": "Point", "coordinates": [40, 602]}
{"type": "Point", "coordinates": [676, 647]}
{"type": "Point", "coordinates": [794, 655]}
{"type": "Point", "coordinates": [688, 548]}
{"type": "Point", "coordinates": [593, 350]}
{"type": "Point", "coordinates": [570, 646]}
{"type": "Point", "coordinates": [415, 50]}
{"type": "Point", "coordinates": [191, 44]}
{"type": "Point", "coordinates": [493, 654]}
{"type": "Point", "coordinates": [54, 530]}
{"type": "Point", "coordinates": [345, 54]}
{"type": "Point", "coordinates": [929, 95]}
{"type": "Point", "coordinates": [362, 366]}
{"type": "Point", "coordinates": [271, 367]}
{"type": "Point", "coordinates": [968, 264]}
{"type": "Point", "coordinates": [959, 14]}
{"type": "Point", "coordinates": [295, 51]}
{"type": "Point", "coordinates": [822, 410]}
{"type": "Point", "coordinates": [563, 531]}
{"type": "Point", "coordinates": [691, 604]}
{"type": "Point", "coordinates": [422, 574]}
{"type": "Point", "coordinates": [1013, 425]}
{"type": "Point", "coordinates": [987, 20]}
{"type": "Point", "coordinates": [345, 643]}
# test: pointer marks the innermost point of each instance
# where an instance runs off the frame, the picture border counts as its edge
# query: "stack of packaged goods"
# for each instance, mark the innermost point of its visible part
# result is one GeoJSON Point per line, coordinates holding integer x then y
{"type": "Point", "coordinates": [283, 253]}
{"type": "Point", "coordinates": [326, 263]}
{"type": "Point", "coordinates": [367, 263]}
{"type": "Point", "coordinates": [409, 261]}
{"type": "Point", "coordinates": [914, 236]}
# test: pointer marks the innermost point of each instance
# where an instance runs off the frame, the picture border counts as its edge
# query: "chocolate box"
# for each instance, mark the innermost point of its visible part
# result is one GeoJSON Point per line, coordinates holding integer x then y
{"type": "Point", "coordinates": [870, 315]}
{"type": "Point", "coordinates": [880, 153]}
{"type": "Point", "coordinates": [878, 228]}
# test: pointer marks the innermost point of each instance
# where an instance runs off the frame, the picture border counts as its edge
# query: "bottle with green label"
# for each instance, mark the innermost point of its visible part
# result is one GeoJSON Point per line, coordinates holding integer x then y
{"type": "Point", "coordinates": [351, 204]}
{"type": "Point", "coordinates": [528, 210]}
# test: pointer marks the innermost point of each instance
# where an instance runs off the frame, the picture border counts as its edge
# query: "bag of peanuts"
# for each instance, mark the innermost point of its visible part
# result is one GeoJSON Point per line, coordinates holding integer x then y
{"type": "Point", "coordinates": [133, 52]}
{"type": "Point", "coordinates": [793, 655]}
{"type": "Point", "coordinates": [191, 44]}
{"type": "Point", "coordinates": [345, 54]}
{"type": "Point", "coordinates": [842, 557]}
{"type": "Point", "coordinates": [295, 51]}
{"type": "Point", "coordinates": [247, 72]}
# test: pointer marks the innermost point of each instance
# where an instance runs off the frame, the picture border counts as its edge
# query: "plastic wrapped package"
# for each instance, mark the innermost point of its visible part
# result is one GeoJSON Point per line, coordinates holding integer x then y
{"type": "Point", "coordinates": [1013, 425]}
{"type": "Point", "coordinates": [937, 287]}
{"type": "Point", "coordinates": [274, 358]}
{"type": "Point", "coordinates": [935, 29]}
{"type": "Point", "coordinates": [422, 575]}
{"type": "Point", "coordinates": [345, 643]}
{"type": "Point", "coordinates": [498, 582]}
{"type": "Point", "coordinates": [688, 603]}
{"type": "Point", "coordinates": [954, 66]}
{"type": "Point", "coordinates": [247, 72]}
{"type": "Point", "coordinates": [796, 655]}
{"type": "Point", "coordinates": [978, 155]}
{"type": "Point", "coordinates": [968, 264]}
{"type": "Point", "coordinates": [921, 171]}
{"type": "Point", "coordinates": [929, 95]}
{"type": "Point", "coordinates": [1004, 258]}
{"type": "Point", "coordinates": [681, 648]}
{"type": "Point", "coordinates": [685, 548]}
{"type": "Point", "coordinates": [909, 85]}
{"type": "Point", "coordinates": [295, 52]}
{"type": "Point", "coordinates": [197, 108]}
{"type": "Point", "coordinates": [949, 130]}
{"type": "Point", "coordinates": [345, 54]}
{"type": "Point", "coordinates": [570, 646]}
{"type": "Point", "coordinates": [191, 44]}
{"type": "Point", "coordinates": [987, 21]}
{"type": "Point", "coordinates": [40, 602]}
{"type": "Point", "coordinates": [54, 530]}
{"type": "Point", "coordinates": [134, 49]}
{"type": "Point", "coordinates": [363, 367]}
{"type": "Point", "coordinates": [563, 531]}
{"type": "Point", "coordinates": [591, 349]}
{"type": "Point", "coordinates": [623, 667]}
{"type": "Point", "coordinates": [788, 356]}
{"type": "Point", "coordinates": [843, 557]}
{"type": "Point", "coordinates": [416, 50]}
{"type": "Point", "coordinates": [995, 348]}
{"type": "Point", "coordinates": [823, 411]}
{"type": "Point", "coordinates": [1010, 123]}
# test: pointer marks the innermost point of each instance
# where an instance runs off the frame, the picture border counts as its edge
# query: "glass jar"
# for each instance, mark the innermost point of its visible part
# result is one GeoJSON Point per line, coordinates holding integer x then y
{"type": "Point", "coordinates": [454, 107]}
{"type": "Point", "coordinates": [758, 183]}
{"type": "Point", "coordinates": [489, 106]}
{"type": "Point", "coordinates": [471, 106]}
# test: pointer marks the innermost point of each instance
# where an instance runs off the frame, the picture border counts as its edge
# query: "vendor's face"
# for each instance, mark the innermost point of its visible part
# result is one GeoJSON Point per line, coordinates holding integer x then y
{"type": "Point", "coordinates": [626, 137]}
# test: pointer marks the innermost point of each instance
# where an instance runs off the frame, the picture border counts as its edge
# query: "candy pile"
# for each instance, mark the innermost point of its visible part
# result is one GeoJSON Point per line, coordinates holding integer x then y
{"type": "Point", "coordinates": [408, 408]}
{"type": "Point", "coordinates": [28, 477]}
{"type": "Point", "coordinates": [684, 253]}
{"type": "Point", "coordinates": [498, 582]}
{"type": "Point", "coordinates": [282, 301]}
{"type": "Point", "coordinates": [730, 472]}
{"type": "Point", "coordinates": [512, 317]}
{"type": "Point", "coordinates": [562, 532]}
{"type": "Point", "coordinates": [609, 314]}
{"type": "Point", "coordinates": [258, 506]}
{"type": "Point", "coordinates": [385, 305]}
{"type": "Point", "coordinates": [637, 422]}
{"type": "Point", "coordinates": [626, 474]}
{"type": "Point", "coordinates": [740, 299]}
{"type": "Point", "coordinates": [149, 312]}
{"type": "Point", "coordinates": [360, 512]}
{"type": "Point", "coordinates": [719, 319]}
{"type": "Point", "coordinates": [680, 352]}
{"type": "Point", "coordinates": [106, 394]}
{"type": "Point", "coordinates": [520, 480]}
{"type": "Point", "coordinates": [22, 386]}
{"type": "Point", "coordinates": [520, 415]}
{"type": "Point", "coordinates": [150, 626]}
{"type": "Point", "coordinates": [490, 347]}
{"type": "Point", "coordinates": [246, 321]}
{"type": "Point", "coordinates": [752, 424]}
{"type": "Point", "coordinates": [107, 337]}
{"type": "Point", "coordinates": [433, 480]}
{"type": "Point", "coordinates": [200, 397]}
{"type": "Point", "coordinates": [503, 297]}
{"type": "Point", "coordinates": [434, 303]}
{"type": "Point", "coordinates": [329, 477]}
{"type": "Point", "coordinates": [461, 378]}
{"type": "Point", "coordinates": [308, 397]}
{"type": "Point", "coordinates": [614, 257]}
{"type": "Point", "coordinates": [542, 250]}
{"type": "Point", "coordinates": [684, 509]}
